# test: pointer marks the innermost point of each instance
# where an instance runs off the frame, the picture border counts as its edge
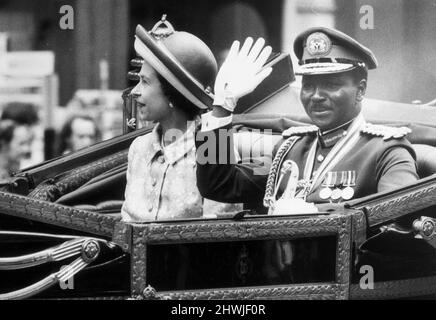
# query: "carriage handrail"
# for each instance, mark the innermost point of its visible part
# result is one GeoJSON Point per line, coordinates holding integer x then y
{"type": "Point", "coordinates": [89, 249]}
{"type": "Point", "coordinates": [68, 249]}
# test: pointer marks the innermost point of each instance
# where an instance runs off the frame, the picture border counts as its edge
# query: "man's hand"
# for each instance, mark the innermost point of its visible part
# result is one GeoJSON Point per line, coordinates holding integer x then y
{"type": "Point", "coordinates": [241, 72]}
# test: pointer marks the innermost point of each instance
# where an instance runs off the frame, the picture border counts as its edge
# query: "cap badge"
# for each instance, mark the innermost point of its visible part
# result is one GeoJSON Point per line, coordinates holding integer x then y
{"type": "Point", "coordinates": [318, 44]}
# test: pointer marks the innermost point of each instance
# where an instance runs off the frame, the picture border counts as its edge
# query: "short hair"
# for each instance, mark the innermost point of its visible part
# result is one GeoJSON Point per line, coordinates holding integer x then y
{"type": "Point", "coordinates": [67, 130]}
{"type": "Point", "coordinates": [179, 100]}
{"type": "Point", "coordinates": [7, 128]}
{"type": "Point", "coordinates": [20, 112]}
{"type": "Point", "coordinates": [358, 74]}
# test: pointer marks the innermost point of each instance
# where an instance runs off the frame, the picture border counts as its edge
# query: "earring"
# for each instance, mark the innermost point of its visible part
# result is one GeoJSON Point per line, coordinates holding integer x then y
{"type": "Point", "coordinates": [171, 105]}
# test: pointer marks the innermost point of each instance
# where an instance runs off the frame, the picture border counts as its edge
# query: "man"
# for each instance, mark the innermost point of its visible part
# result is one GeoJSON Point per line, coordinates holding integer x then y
{"type": "Point", "coordinates": [15, 145]}
{"type": "Point", "coordinates": [26, 118]}
{"type": "Point", "coordinates": [338, 158]}
{"type": "Point", "coordinates": [78, 132]}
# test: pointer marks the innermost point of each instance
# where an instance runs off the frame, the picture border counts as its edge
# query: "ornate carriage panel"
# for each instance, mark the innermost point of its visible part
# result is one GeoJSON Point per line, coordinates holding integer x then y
{"type": "Point", "coordinates": [225, 259]}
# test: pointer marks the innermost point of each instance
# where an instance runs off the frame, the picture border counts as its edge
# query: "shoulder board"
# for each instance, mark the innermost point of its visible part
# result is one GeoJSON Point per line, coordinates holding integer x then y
{"type": "Point", "coordinates": [385, 131]}
{"type": "Point", "coordinates": [299, 131]}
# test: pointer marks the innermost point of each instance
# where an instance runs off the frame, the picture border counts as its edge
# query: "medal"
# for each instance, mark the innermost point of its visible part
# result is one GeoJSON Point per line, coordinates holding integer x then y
{"type": "Point", "coordinates": [336, 194]}
{"type": "Point", "coordinates": [325, 193]}
{"type": "Point", "coordinates": [353, 178]}
{"type": "Point", "coordinates": [347, 193]}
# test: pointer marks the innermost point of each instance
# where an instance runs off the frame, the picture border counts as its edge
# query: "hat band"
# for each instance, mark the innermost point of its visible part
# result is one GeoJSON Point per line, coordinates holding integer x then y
{"type": "Point", "coordinates": [333, 60]}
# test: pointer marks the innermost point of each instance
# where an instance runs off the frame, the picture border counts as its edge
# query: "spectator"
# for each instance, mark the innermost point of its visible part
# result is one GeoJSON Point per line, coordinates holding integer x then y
{"type": "Point", "coordinates": [25, 116]}
{"type": "Point", "coordinates": [20, 112]}
{"type": "Point", "coordinates": [15, 143]}
{"type": "Point", "coordinates": [78, 132]}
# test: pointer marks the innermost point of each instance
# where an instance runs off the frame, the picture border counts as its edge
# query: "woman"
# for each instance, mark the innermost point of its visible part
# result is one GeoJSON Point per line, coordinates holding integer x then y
{"type": "Point", "coordinates": [173, 89]}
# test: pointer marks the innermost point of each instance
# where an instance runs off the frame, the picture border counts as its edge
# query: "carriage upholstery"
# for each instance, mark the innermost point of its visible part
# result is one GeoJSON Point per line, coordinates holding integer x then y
{"type": "Point", "coordinates": [425, 159]}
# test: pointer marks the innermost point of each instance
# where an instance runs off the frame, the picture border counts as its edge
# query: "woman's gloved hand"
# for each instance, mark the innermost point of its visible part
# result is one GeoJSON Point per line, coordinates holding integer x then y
{"type": "Point", "coordinates": [241, 72]}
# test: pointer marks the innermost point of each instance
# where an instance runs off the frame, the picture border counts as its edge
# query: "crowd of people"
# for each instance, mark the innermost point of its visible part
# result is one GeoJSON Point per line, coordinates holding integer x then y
{"type": "Point", "coordinates": [19, 122]}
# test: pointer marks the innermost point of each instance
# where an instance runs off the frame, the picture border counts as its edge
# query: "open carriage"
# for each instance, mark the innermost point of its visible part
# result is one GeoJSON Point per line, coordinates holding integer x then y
{"type": "Point", "coordinates": [61, 234]}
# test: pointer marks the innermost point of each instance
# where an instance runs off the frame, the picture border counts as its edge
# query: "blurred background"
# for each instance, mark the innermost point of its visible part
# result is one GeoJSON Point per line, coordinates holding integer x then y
{"type": "Point", "coordinates": [82, 70]}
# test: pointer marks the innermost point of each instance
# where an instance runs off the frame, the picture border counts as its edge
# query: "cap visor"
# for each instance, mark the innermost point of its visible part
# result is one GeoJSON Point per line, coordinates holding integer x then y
{"type": "Point", "coordinates": [323, 68]}
{"type": "Point", "coordinates": [167, 66]}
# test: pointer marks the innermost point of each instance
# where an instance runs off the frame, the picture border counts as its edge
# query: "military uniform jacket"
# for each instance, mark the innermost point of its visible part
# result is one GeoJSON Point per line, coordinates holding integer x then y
{"type": "Point", "coordinates": [380, 159]}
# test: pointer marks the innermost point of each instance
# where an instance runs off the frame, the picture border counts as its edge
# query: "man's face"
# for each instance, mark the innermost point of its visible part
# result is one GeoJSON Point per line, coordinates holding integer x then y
{"type": "Point", "coordinates": [331, 100]}
{"type": "Point", "coordinates": [20, 146]}
{"type": "Point", "coordinates": [83, 134]}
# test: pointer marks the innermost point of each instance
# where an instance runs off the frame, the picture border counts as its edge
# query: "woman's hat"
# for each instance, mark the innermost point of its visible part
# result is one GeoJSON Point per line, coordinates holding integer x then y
{"type": "Point", "coordinates": [181, 58]}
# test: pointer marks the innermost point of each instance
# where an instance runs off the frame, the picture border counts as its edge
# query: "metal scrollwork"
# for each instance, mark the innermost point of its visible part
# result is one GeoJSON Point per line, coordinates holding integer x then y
{"type": "Point", "coordinates": [244, 264]}
{"type": "Point", "coordinates": [424, 227]}
{"type": "Point", "coordinates": [87, 249]}
{"type": "Point", "coordinates": [90, 250]}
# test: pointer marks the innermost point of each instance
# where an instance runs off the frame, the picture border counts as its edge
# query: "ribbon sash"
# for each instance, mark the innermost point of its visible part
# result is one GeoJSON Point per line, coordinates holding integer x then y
{"type": "Point", "coordinates": [339, 150]}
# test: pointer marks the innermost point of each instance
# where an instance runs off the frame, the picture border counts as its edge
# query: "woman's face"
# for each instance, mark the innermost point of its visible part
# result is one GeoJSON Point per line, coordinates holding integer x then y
{"type": "Point", "coordinates": [152, 103]}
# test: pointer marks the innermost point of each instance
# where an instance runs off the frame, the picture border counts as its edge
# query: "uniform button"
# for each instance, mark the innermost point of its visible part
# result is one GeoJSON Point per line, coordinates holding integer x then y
{"type": "Point", "coordinates": [153, 182]}
{"type": "Point", "coordinates": [161, 159]}
{"type": "Point", "coordinates": [320, 158]}
{"type": "Point", "coordinates": [345, 133]}
{"type": "Point", "coordinates": [150, 207]}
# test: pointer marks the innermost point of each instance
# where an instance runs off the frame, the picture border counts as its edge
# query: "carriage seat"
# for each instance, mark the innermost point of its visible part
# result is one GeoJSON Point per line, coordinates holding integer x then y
{"type": "Point", "coordinates": [425, 159]}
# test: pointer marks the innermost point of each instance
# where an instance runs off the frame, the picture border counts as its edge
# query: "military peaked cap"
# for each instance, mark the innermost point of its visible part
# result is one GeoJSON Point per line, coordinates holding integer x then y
{"type": "Point", "coordinates": [323, 50]}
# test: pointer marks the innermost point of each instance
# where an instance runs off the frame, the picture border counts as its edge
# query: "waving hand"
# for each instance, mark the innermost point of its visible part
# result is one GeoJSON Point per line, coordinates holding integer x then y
{"type": "Point", "coordinates": [241, 72]}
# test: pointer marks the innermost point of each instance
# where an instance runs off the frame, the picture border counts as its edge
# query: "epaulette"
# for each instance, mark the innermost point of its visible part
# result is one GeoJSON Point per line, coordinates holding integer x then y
{"type": "Point", "coordinates": [299, 130]}
{"type": "Point", "coordinates": [385, 131]}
